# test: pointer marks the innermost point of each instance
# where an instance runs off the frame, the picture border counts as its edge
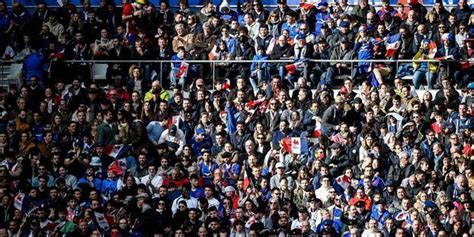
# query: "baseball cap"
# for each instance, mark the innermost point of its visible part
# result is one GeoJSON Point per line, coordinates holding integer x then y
{"type": "Point", "coordinates": [172, 130]}
{"type": "Point", "coordinates": [300, 36]}
{"type": "Point", "coordinates": [344, 24]}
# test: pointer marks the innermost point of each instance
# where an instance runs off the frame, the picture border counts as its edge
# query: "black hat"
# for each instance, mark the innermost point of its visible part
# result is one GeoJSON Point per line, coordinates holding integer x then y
{"type": "Point", "coordinates": [281, 1]}
{"type": "Point", "coordinates": [357, 100]}
{"type": "Point", "coordinates": [380, 202]}
{"type": "Point", "coordinates": [226, 154]}
{"type": "Point", "coordinates": [352, 222]}
{"type": "Point", "coordinates": [292, 14]}
{"type": "Point", "coordinates": [303, 209]}
{"type": "Point", "coordinates": [322, 41]}
{"type": "Point", "coordinates": [172, 130]}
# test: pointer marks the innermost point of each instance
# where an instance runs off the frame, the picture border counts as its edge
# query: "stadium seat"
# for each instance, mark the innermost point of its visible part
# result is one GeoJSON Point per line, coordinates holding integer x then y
{"type": "Point", "coordinates": [99, 71]}
{"type": "Point", "coordinates": [14, 72]}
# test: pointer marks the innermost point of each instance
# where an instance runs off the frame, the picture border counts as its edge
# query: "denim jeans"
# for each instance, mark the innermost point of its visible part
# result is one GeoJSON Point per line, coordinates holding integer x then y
{"type": "Point", "coordinates": [174, 79]}
{"type": "Point", "coordinates": [423, 73]}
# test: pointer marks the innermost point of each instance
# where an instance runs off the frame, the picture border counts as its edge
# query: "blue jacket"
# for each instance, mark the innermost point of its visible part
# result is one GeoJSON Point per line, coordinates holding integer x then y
{"type": "Point", "coordinates": [108, 186]}
{"type": "Point", "coordinates": [97, 182]}
{"type": "Point", "coordinates": [4, 21]}
{"type": "Point", "coordinates": [258, 58]}
{"type": "Point", "coordinates": [321, 17]}
{"type": "Point", "coordinates": [293, 29]}
{"type": "Point", "coordinates": [365, 51]}
{"type": "Point", "coordinates": [34, 65]}
{"type": "Point", "coordinates": [154, 130]}
{"type": "Point", "coordinates": [176, 61]}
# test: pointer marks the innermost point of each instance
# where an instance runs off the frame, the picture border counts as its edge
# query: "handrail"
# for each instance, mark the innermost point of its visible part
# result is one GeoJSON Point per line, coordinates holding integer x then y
{"type": "Point", "coordinates": [261, 61]}
{"type": "Point", "coordinates": [267, 61]}
{"type": "Point", "coordinates": [234, 6]}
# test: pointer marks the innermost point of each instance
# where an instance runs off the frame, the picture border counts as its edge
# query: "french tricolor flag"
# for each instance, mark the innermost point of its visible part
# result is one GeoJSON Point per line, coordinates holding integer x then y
{"type": "Point", "coordinates": [183, 70]}
{"type": "Point", "coordinates": [290, 68]}
{"type": "Point", "coordinates": [344, 181]}
{"type": "Point", "coordinates": [115, 151]}
{"type": "Point", "coordinates": [392, 48]}
{"type": "Point", "coordinates": [295, 145]}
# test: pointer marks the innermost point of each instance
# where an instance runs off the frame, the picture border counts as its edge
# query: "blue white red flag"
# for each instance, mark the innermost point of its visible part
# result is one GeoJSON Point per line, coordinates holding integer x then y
{"type": "Point", "coordinates": [295, 145]}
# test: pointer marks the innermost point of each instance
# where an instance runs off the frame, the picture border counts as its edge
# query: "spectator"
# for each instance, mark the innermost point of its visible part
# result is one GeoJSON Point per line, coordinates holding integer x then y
{"type": "Point", "coordinates": [268, 148]}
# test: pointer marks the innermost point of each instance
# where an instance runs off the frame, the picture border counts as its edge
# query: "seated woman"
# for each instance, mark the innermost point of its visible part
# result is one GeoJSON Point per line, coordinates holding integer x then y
{"type": "Point", "coordinates": [424, 70]}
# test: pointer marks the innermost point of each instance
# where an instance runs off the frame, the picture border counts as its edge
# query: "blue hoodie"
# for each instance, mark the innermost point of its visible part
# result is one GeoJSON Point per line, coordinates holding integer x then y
{"type": "Point", "coordinates": [258, 58]}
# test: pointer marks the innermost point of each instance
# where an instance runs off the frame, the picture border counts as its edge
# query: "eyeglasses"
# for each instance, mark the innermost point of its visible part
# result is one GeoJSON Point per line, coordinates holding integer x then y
{"type": "Point", "coordinates": [162, 203]}
{"type": "Point", "coordinates": [441, 27]}
{"type": "Point", "coordinates": [260, 137]}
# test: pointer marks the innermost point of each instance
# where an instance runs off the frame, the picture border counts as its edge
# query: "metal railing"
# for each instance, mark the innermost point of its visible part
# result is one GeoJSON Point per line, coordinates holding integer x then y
{"type": "Point", "coordinates": [214, 63]}
{"type": "Point", "coordinates": [234, 6]}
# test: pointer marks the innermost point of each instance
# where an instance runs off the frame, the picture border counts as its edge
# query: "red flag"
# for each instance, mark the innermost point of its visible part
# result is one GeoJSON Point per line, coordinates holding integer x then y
{"type": "Point", "coordinates": [344, 181]}
{"type": "Point", "coordinates": [317, 133]}
{"type": "Point", "coordinates": [227, 84]}
{"type": "Point", "coordinates": [465, 65]}
{"type": "Point", "coordinates": [295, 145]}
{"type": "Point", "coordinates": [432, 49]}
{"type": "Point", "coordinates": [263, 106]}
{"type": "Point", "coordinates": [306, 6]}
{"type": "Point", "coordinates": [392, 49]}
{"type": "Point", "coordinates": [113, 150]}
{"type": "Point", "coordinates": [290, 68]}
{"type": "Point", "coordinates": [172, 120]}
{"type": "Point", "coordinates": [254, 103]}
{"type": "Point", "coordinates": [117, 167]}
{"type": "Point", "coordinates": [183, 70]}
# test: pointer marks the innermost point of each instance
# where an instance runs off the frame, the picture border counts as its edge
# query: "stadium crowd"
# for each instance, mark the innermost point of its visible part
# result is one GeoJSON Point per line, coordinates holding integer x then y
{"type": "Point", "coordinates": [177, 149]}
